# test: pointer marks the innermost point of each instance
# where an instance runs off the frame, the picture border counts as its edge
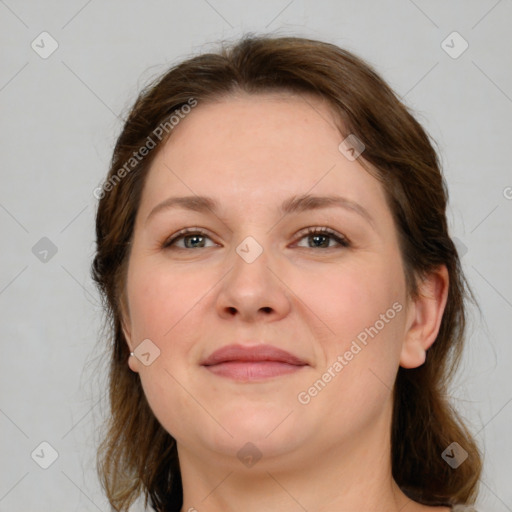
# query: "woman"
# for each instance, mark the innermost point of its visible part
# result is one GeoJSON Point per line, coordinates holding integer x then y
{"type": "Point", "coordinates": [287, 305]}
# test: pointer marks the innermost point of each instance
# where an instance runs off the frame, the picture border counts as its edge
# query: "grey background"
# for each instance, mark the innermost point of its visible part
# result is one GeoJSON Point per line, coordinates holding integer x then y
{"type": "Point", "coordinates": [60, 117]}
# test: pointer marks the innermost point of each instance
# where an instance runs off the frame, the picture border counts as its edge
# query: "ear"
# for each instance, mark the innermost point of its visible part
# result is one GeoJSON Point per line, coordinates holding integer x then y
{"type": "Point", "coordinates": [133, 362]}
{"type": "Point", "coordinates": [424, 318]}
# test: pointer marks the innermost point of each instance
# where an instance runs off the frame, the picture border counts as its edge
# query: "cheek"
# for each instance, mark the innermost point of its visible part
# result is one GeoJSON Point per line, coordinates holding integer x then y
{"type": "Point", "coordinates": [365, 312]}
{"type": "Point", "coordinates": [353, 298]}
{"type": "Point", "coordinates": [363, 306]}
{"type": "Point", "coordinates": [160, 299]}
{"type": "Point", "coordinates": [161, 305]}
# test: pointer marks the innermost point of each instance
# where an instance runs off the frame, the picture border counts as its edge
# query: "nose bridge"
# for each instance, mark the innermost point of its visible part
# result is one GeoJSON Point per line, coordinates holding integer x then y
{"type": "Point", "coordinates": [251, 263]}
{"type": "Point", "coordinates": [250, 250]}
{"type": "Point", "coordinates": [251, 286]}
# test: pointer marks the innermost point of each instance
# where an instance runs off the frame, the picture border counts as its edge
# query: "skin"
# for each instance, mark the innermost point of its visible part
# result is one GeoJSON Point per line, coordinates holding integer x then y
{"type": "Point", "coordinates": [252, 152]}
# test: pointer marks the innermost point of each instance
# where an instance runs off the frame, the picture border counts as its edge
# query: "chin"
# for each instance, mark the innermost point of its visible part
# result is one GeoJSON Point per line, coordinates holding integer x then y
{"type": "Point", "coordinates": [254, 420]}
{"type": "Point", "coordinates": [240, 423]}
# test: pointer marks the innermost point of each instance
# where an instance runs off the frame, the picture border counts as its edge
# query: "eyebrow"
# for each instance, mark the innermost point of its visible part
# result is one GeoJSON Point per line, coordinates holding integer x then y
{"type": "Point", "coordinates": [294, 204]}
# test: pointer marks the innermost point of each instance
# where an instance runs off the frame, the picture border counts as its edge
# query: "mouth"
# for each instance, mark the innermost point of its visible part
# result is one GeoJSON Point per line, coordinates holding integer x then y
{"type": "Point", "coordinates": [243, 363]}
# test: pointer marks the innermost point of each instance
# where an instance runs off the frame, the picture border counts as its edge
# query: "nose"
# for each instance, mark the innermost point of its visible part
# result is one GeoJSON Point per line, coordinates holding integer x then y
{"type": "Point", "coordinates": [254, 287]}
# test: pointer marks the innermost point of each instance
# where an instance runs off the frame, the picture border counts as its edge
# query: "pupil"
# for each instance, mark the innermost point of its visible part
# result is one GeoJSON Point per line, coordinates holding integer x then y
{"type": "Point", "coordinates": [194, 238]}
{"type": "Point", "coordinates": [316, 237]}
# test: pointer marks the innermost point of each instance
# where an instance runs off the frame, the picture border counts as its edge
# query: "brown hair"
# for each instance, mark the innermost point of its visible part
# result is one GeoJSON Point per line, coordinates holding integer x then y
{"type": "Point", "coordinates": [137, 454]}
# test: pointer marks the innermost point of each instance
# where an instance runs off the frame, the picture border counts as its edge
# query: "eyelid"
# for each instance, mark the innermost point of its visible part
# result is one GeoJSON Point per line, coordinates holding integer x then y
{"type": "Point", "coordinates": [341, 239]}
{"type": "Point", "coordinates": [185, 231]}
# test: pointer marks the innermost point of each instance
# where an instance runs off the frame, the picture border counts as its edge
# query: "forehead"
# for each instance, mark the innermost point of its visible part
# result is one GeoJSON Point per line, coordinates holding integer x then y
{"type": "Point", "coordinates": [254, 151]}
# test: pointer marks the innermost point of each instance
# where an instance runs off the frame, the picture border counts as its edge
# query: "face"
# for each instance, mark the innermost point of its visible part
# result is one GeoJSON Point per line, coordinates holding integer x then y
{"type": "Point", "coordinates": [259, 268]}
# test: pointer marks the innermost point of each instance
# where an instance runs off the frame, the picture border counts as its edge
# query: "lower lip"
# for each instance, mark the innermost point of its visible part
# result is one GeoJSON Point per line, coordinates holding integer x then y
{"type": "Point", "coordinates": [252, 370]}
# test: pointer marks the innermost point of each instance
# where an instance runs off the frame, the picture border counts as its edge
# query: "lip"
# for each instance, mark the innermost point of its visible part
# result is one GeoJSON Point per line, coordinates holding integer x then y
{"type": "Point", "coordinates": [248, 363]}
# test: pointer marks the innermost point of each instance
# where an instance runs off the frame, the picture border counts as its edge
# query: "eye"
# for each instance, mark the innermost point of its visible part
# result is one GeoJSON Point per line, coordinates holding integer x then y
{"type": "Point", "coordinates": [192, 237]}
{"type": "Point", "coordinates": [321, 237]}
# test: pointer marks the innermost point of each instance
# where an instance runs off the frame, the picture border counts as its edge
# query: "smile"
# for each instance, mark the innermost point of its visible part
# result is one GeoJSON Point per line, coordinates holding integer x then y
{"type": "Point", "coordinates": [244, 363]}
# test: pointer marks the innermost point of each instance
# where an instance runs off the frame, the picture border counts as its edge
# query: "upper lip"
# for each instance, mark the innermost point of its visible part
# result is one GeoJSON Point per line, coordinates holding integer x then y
{"type": "Point", "coordinates": [262, 352]}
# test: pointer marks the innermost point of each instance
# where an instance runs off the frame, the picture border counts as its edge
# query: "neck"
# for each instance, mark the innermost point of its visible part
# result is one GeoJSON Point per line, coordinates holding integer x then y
{"type": "Point", "coordinates": [352, 475]}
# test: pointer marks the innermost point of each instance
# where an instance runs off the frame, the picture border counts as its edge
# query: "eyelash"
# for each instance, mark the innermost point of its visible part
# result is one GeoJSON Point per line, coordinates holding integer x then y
{"type": "Point", "coordinates": [340, 239]}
